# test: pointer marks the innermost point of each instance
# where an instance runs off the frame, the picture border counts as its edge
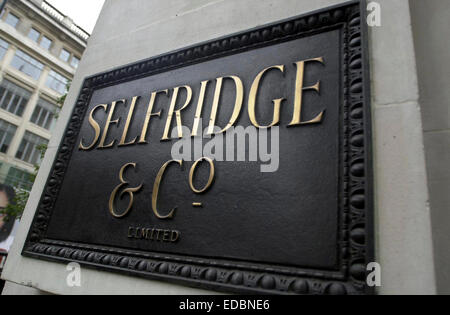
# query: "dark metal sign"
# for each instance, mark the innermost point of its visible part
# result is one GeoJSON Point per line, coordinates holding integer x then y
{"type": "Point", "coordinates": [145, 181]}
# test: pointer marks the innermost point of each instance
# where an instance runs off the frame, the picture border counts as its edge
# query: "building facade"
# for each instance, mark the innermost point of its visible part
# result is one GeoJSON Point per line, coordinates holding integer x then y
{"type": "Point", "coordinates": [40, 49]}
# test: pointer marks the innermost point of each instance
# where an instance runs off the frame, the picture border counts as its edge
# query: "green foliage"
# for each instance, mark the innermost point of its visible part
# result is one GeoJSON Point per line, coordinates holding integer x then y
{"type": "Point", "coordinates": [15, 208]}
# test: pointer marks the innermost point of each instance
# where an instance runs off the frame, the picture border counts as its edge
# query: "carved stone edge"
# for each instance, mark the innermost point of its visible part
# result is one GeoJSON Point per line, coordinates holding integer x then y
{"type": "Point", "coordinates": [357, 186]}
{"type": "Point", "coordinates": [353, 242]}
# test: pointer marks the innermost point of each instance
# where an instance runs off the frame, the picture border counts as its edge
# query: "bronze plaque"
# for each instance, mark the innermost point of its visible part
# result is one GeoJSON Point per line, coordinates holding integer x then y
{"type": "Point", "coordinates": [147, 182]}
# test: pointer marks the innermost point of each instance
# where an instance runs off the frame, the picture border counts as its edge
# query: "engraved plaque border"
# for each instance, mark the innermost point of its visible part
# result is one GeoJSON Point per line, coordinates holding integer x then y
{"type": "Point", "coordinates": [355, 239]}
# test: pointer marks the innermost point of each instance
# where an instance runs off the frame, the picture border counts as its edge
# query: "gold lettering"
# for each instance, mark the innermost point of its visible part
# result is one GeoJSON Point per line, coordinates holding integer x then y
{"type": "Point", "coordinates": [237, 105]}
{"type": "Point", "coordinates": [109, 122]}
{"type": "Point", "coordinates": [157, 234]}
{"type": "Point", "coordinates": [297, 116]}
{"type": "Point", "coordinates": [252, 100]}
{"type": "Point", "coordinates": [177, 112]}
{"type": "Point", "coordinates": [211, 175]}
{"type": "Point", "coordinates": [175, 236]}
{"type": "Point", "coordinates": [166, 236]}
{"type": "Point", "coordinates": [198, 113]}
{"type": "Point", "coordinates": [129, 191]}
{"type": "Point", "coordinates": [127, 124]}
{"type": "Point", "coordinates": [153, 234]}
{"type": "Point", "coordinates": [156, 191]}
{"type": "Point", "coordinates": [150, 114]}
{"type": "Point", "coordinates": [94, 125]}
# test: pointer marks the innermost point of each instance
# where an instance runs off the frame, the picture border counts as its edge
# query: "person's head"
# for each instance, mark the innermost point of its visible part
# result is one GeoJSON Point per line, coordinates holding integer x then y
{"type": "Point", "coordinates": [6, 197]}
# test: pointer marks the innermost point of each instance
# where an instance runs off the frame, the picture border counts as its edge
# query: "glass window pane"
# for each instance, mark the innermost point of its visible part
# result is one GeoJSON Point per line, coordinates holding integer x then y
{"type": "Point", "coordinates": [27, 64]}
{"type": "Point", "coordinates": [17, 177]}
{"type": "Point", "coordinates": [12, 20]}
{"type": "Point", "coordinates": [2, 137]}
{"type": "Point", "coordinates": [21, 107]}
{"type": "Point", "coordinates": [50, 122]}
{"type": "Point", "coordinates": [65, 55]}
{"type": "Point", "coordinates": [34, 35]}
{"type": "Point", "coordinates": [42, 118]}
{"type": "Point", "coordinates": [46, 43]}
{"type": "Point", "coordinates": [13, 98]}
{"type": "Point", "coordinates": [7, 132]}
{"type": "Point", "coordinates": [36, 113]}
{"type": "Point", "coordinates": [75, 61]}
{"type": "Point", "coordinates": [7, 100]}
{"type": "Point", "coordinates": [44, 114]}
{"type": "Point", "coordinates": [57, 82]}
{"type": "Point", "coordinates": [6, 141]}
{"type": "Point", "coordinates": [3, 48]}
{"type": "Point", "coordinates": [28, 150]}
{"type": "Point", "coordinates": [21, 149]}
{"type": "Point", "coordinates": [13, 104]}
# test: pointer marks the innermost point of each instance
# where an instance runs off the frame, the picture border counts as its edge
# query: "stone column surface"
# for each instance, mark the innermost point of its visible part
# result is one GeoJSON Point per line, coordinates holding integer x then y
{"type": "Point", "coordinates": [403, 230]}
{"type": "Point", "coordinates": [430, 26]}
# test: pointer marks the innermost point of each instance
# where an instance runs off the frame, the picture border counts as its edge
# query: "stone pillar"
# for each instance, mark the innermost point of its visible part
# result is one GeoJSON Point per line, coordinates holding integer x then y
{"type": "Point", "coordinates": [403, 224]}
{"type": "Point", "coordinates": [7, 58]}
{"type": "Point", "coordinates": [430, 20]}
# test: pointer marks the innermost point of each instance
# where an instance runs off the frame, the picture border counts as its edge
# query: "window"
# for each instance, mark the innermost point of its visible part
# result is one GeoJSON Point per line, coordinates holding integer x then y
{"type": "Point", "coordinates": [46, 43]}
{"type": "Point", "coordinates": [74, 62]}
{"type": "Point", "coordinates": [43, 40]}
{"type": "Point", "coordinates": [3, 48]}
{"type": "Point", "coordinates": [12, 20]}
{"type": "Point", "coordinates": [27, 65]}
{"type": "Point", "coordinates": [44, 114]}
{"type": "Point", "coordinates": [7, 132]}
{"type": "Point", "coordinates": [34, 35]}
{"type": "Point", "coordinates": [57, 82]}
{"type": "Point", "coordinates": [64, 55]}
{"type": "Point", "coordinates": [67, 56]}
{"type": "Point", "coordinates": [13, 98]}
{"type": "Point", "coordinates": [18, 177]}
{"type": "Point", "coordinates": [28, 150]}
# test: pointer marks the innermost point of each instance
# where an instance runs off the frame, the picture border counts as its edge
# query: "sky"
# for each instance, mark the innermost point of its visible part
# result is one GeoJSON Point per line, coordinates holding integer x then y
{"type": "Point", "coordinates": [84, 13]}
